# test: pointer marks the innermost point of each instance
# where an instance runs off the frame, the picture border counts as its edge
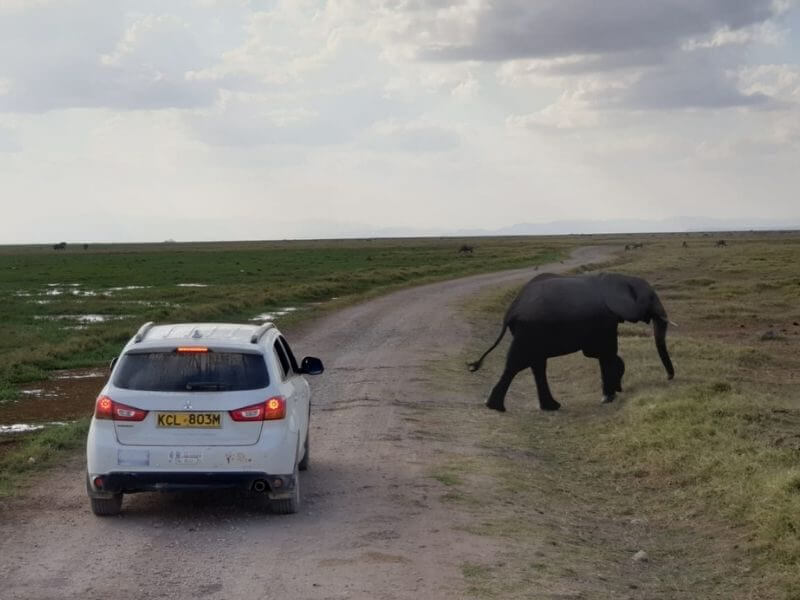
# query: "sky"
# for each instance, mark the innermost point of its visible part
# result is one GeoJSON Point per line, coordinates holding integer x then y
{"type": "Point", "coordinates": [144, 120]}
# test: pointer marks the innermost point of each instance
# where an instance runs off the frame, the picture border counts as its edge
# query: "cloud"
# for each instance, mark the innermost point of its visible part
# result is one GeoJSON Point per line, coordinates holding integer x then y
{"type": "Point", "coordinates": [9, 140]}
{"type": "Point", "coordinates": [566, 114]}
{"type": "Point", "coordinates": [776, 139]}
{"type": "Point", "coordinates": [420, 136]}
{"type": "Point", "coordinates": [326, 116]}
{"type": "Point", "coordinates": [684, 83]}
{"type": "Point", "coordinates": [456, 80]}
{"type": "Point", "coordinates": [760, 33]}
{"type": "Point", "coordinates": [781, 82]}
{"type": "Point", "coordinates": [513, 29]}
{"type": "Point", "coordinates": [79, 53]}
{"type": "Point", "coordinates": [633, 55]}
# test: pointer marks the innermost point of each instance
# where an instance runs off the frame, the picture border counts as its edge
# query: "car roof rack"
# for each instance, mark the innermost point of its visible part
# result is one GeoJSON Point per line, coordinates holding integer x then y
{"type": "Point", "coordinates": [260, 331]}
{"type": "Point", "coordinates": [142, 332]}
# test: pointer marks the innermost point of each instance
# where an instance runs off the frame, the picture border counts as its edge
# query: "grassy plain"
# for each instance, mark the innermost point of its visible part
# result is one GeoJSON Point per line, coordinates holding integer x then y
{"type": "Point", "coordinates": [702, 473]}
{"type": "Point", "coordinates": [75, 308]}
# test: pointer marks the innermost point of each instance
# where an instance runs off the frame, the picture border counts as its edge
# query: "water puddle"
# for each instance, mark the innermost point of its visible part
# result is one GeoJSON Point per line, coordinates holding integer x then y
{"type": "Point", "coordinates": [19, 428]}
{"type": "Point", "coordinates": [81, 374]}
{"type": "Point", "coordinates": [162, 303]}
{"type": "Point", "coordinates": [273, 315]}
{"type": "Point", "coordinates": [191, 284]}
{"type": "Point", "coordinates": [26, 427]}
{"type": "Point", "coordinates": [81, 318]}
{"type": "Point", "coordinates": [124, 288]}
{"type": "Point", "coordinates": [94, 318]}
{"type": "Point", "coordinates": [51, 290]}
{"type": "Point", "coordinates": [66, 396]}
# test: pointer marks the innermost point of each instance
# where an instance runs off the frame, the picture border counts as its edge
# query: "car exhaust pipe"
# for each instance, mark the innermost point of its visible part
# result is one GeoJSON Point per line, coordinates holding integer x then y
{"type": "Point", "coordinates": [259, 486]}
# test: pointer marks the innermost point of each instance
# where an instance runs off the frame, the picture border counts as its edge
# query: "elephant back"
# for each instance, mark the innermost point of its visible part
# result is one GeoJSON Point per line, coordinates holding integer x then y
{"type": "Point", "coordinates": [555, 300]}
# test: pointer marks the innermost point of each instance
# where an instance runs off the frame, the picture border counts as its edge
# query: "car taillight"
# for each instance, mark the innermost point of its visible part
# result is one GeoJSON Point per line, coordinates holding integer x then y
{"type": "Point", "coordinates": [103, 407]}
{"type": "Point", "coordinates": [272, 409]}
{"type": "Point", "coordinates": [106, 408]}
{"type": "Point", "coordinates": [249, 413]}
{"type": "Point", "coordinates": [275, 408]}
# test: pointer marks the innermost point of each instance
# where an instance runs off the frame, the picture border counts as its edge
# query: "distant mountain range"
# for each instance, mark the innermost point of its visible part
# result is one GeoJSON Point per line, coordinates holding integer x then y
{"type": "Point", "coordinates": [142, 229]}
{"type": "Point", "coordinates": [324, 229]}
{"type": "Point", "coordinates": [675, 224]}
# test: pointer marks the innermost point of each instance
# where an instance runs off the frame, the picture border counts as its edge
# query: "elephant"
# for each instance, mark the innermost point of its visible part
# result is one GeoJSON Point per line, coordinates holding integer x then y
{"type": "Point", "coordinates": [554, 315]}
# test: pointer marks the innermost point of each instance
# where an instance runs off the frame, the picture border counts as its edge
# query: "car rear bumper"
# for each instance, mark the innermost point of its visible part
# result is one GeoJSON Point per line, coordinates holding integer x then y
{"type": "Point", "coordinates": [104, 454]}
{"type": "Point", "coordinates": [101, 485]}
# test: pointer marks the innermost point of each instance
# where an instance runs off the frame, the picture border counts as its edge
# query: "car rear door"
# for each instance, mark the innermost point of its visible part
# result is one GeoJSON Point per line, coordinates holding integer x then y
{"type": "Point", "coordinates": [296, 389]}
{"type": "Point", "coordinates": [188, 398]}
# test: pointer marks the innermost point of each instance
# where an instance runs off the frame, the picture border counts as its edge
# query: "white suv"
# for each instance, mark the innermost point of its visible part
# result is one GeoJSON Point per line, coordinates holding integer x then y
{"type": "Point", "coordinates": [199, 406]}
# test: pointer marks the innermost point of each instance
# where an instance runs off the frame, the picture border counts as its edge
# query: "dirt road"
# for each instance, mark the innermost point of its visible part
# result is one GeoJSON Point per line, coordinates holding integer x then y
{"type": "Point", "coordinates": [371, 526]}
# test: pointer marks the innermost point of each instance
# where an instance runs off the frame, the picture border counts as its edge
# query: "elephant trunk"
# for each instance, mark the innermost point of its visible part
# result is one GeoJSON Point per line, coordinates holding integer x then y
{"type": "Point", "coordinates": [660, 325]}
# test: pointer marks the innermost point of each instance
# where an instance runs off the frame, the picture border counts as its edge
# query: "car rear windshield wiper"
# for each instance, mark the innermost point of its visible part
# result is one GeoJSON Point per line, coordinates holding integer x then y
{"type": "Point", "coordinates": [194, 386]}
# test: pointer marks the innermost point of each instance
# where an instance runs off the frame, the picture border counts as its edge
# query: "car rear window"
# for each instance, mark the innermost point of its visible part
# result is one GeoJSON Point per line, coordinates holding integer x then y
{"type": "Point", "coordinates": [194, 372]}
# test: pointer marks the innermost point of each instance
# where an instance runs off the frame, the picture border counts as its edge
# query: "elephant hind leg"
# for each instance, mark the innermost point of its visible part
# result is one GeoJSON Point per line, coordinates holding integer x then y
{"type": "Point", "coordinates": [546, 400]}
{"type": "Point", "coordinates": [515, 362]}
{"type": "Point", "coordinates": [497, 397]}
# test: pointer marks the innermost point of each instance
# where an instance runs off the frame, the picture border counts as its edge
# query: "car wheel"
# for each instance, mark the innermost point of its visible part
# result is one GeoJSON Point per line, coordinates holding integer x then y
{"type": "Point", "coordinates": [107, 507]}
{"type": "Point", "coordinates": [290, 505]}
{"type": "Point", "coordinates": [303, 464]}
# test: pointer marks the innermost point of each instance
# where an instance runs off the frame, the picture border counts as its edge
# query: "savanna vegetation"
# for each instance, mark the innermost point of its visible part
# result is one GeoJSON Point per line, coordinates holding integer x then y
{"type": "Point", "coordinates": [75, 306]}
{"type": "Point", "coordinates": [702, 474]}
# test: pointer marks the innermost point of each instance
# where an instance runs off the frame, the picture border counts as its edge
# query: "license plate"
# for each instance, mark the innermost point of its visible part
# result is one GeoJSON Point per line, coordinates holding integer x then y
{"type": "Point", "coordinates": [189, 419]}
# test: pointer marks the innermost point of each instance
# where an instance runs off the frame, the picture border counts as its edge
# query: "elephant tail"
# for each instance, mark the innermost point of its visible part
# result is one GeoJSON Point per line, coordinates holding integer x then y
{"type": "Point", "coordinates": [474, 366]}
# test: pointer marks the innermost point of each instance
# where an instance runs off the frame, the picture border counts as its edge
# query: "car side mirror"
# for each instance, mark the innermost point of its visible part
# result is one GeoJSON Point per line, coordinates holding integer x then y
{"type": "Point", "coordinates": [311, 366]}
{"type": "Point", "coordinates": [112, 363]}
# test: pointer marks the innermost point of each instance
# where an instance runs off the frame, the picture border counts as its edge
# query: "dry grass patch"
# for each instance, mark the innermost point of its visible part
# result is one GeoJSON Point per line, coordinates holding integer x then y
{"type": "Point", "coordinates": [702, 472]}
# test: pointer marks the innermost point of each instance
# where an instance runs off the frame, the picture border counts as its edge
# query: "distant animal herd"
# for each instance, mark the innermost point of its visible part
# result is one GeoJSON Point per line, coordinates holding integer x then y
{"type": "Point", "coordinates": [684, 244]}
{"type": "Point", "coordinates": [463, 250]}
{"type": "Point", "coordinates": [63, 246]}
{"type": "Point", "coordinates": [468, 250]}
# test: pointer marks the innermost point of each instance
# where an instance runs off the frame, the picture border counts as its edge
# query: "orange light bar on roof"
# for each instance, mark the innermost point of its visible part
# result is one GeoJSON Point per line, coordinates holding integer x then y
{"type": "Point", "coordinates": [190, 349]}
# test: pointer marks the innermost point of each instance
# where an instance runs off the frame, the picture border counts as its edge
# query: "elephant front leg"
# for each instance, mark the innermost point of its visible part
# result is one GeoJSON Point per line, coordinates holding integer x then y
{"type": "Point", "coordinates": [611, 370]}
{"type": "Point", "coordinates": [546, 400]}
{"type": "Point", "coordinates": [620, 364]}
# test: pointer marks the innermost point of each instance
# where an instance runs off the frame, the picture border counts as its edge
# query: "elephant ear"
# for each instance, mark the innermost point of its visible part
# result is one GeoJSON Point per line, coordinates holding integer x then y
{"type": "Point", "coordinates": [627, 297]}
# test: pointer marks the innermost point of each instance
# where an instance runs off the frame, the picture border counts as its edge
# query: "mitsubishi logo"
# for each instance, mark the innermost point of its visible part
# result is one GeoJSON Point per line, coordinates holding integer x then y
{"type": "Point", "coordinates": [187, 405]}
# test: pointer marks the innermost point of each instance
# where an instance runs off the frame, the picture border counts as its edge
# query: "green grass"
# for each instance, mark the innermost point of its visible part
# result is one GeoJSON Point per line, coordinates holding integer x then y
{"type": "Point", "coordinates": [479, 580]}
{"type": "Point", "coordinates": [447, 476]}
{"type": "Point", "coordinates": [38, 319]}
{"type": "Point", "coordinates": [39, 451]}
{"type": "Point", "coordinates": [243, 279]}
{"type": "Point", "coordinates": [725, 440]}
{"type": "Point", "coordinates": [710, 461]}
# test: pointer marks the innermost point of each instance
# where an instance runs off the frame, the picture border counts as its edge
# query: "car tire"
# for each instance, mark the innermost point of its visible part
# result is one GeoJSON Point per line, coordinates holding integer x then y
{"type": "Point", "coordinates": [290, 505]}
{"type": "Point", "coordinates": [107, 507]}
{"type": "Point", "coordinates": [303, 464]}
